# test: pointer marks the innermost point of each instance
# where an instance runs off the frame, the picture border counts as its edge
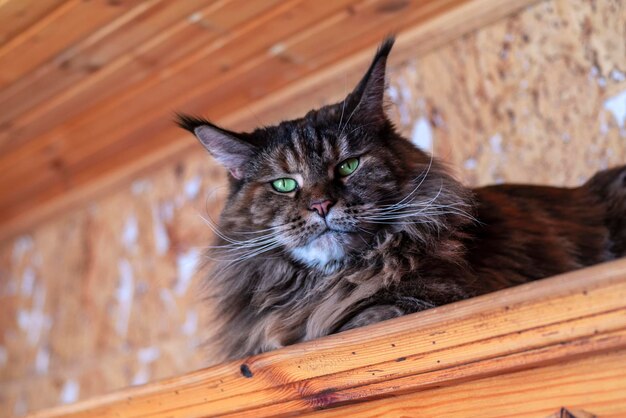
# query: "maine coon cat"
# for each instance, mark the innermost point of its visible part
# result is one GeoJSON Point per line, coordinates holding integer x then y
{"type": "Point", "coordinates": [334, 221]}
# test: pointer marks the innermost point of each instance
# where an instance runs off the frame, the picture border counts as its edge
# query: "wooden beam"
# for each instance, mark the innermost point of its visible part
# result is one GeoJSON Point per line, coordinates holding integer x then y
{"type": "Point", "coordinates": [566, 334]}
{"type": "Point", "coordinates": [586, 387]}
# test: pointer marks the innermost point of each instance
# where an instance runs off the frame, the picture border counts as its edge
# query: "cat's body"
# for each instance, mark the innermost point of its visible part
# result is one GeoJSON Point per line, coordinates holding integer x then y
{"type": "Point", "coordinates": [334, 221]}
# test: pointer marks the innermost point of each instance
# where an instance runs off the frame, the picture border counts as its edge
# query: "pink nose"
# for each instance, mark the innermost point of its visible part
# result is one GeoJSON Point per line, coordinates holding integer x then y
{"type": "Point", "coordinates": [322, 208]}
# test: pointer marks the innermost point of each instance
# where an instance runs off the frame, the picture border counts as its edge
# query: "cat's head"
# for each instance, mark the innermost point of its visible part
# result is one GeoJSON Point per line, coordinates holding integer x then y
{"type": "Point", "coordinates": [320, 188]}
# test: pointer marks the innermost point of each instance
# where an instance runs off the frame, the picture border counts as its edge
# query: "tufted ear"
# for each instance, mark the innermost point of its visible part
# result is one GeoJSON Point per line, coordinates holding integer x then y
{"type": "Point", "coordinates": [367, 99]}
{"type": "Point", "coordinates": [228, 148]}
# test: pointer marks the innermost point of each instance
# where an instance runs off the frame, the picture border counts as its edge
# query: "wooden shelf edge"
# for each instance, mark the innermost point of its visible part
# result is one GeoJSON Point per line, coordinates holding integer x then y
{"type": "Point", "coordinates": [573, 316]}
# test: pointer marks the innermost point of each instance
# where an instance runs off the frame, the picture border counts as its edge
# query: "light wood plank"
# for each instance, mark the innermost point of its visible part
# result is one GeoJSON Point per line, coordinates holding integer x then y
{"type": "Point", "coordinates": [140, 69]}
{"type": "Point", "coordinates": [137, 105]}
{"type": "Point", "coordinates": [72, 21]}
{"type": "Point", "coordinates": [594, 385]}
{"type": "Point", "coordinates": [544, 324]}
{"type": "Point", "coordinates": [18, 15]}
{"type": "Point", "coordinates": [90, 58]}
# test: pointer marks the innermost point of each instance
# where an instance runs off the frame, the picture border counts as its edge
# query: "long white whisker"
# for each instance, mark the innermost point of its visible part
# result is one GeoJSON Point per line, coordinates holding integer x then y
{"type": "Point", "coordinates": [413, 214]}
{"type": "Point", "coordinates": [415, 209]}
{"type": "Point", "coordinates": [272, 228]}
{"type": "Point", "coordinates": [395, 207]}
{"type": "Point", "coordinates": [424, 221]}
{"type": "Point", "coordinates": [234, 248]}
{"type": "Point", "coordinates": [255, 253]}
{"type": "Point", "coordinates": [246, 254]}
{"type": "Point", "coordinates": [349, 118]}
{"type": "Point", "coordinates": [418, 214]}
{"type": "Point", "coordinates": [275, 231]}
{"type": "Point", "coordinates": [251, 242]}
{"type": "Point", "coordinates": [216, 230]}
{"type": "Point", "coordinates": [421, 181]}
{"type": "Point", "coordinates": [343, 106]}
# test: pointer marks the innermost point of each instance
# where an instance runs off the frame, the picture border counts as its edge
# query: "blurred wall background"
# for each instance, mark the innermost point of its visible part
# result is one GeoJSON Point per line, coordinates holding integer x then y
{"type": "Point", "coordinates": [104, 295]}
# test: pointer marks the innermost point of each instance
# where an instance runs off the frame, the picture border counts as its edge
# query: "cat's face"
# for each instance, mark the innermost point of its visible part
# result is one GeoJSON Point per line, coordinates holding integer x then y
{"type": "Point", "coordinates": [317, 189]}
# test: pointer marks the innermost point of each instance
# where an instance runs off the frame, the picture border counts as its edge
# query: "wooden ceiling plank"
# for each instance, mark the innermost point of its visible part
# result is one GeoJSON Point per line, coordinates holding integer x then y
{"type": "Point", "coordinates": [54, 170]}
{"type": "Point", "coordinates": [50, 36]}
{"type": "Point", "coordinates": [80, 152]}
{"type": "Point", "coordinates": [38, 149]}
{"type": "Point", "coordinates": [324, 86]}
{"type": "Point", "coordinates": [356, 32]}
{"type": "Point", "coordinates": [40, 95]}
{"type": "Point", "coordinates": [68, 140]}
{"type": "Point", "coordinates": [243, 53]}
{"type": "Point", "coordinates": [168, 144]}
{"type": "Point", "coordinates": [253, 77]}
{"type": "Point", "coordinates": [150, 59]}
{"type": "Point", "coordinates": [17, 15]}
{"type": "Point", "coordinates": [64, 61]}
{"type": "Point", "coordinates": [37, 25]}
{"type": "Point", "coordinates": [238, 85]}
{"type": "Point", "coordinates": [226, 95]}
{"type": "Point", "coordinates": [368, 23]}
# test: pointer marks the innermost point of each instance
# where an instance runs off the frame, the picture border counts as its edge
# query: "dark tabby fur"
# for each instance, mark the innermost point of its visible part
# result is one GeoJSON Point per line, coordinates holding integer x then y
{"type": "Point", "coordinates": [401, 235]}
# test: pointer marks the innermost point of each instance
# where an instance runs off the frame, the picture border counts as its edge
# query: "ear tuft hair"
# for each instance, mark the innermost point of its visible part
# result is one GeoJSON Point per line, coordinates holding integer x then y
{"type": "Point", "coordinates": [367, 99]}
{"type": "Point", "coordinates": [190, 122]}
{"type": "Point", "coordinates": [228, 148]}
{"type": "Point", "coordinates": [385, 47]}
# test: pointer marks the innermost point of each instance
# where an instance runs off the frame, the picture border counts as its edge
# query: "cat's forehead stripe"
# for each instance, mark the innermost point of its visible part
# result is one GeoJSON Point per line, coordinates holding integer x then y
{"type": "Point", "coordinates": [308, 151]}
{"type": "Point", "coordinates": [290, 159]}
{"type": "Point", "coordinates": [343, 146]}
{"type": "Point", "coordinates": [296, 142]}
{"type": "Point", "coordinates": [328, 147]}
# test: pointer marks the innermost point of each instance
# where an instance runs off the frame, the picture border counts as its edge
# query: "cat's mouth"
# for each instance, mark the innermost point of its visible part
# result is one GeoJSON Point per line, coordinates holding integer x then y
{"type": "Point", "coordinates": [334, 234]}
{"type": "Point", "coordinates": [330, 230]}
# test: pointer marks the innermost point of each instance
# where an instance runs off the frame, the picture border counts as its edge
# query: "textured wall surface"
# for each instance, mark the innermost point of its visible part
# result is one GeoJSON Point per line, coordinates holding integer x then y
{"type": "Point", "coordinates": [105, 296]}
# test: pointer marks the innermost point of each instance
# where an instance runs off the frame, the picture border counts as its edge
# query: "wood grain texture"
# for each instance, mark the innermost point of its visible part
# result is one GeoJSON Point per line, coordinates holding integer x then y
{"type": "Point", "coordinates": [64, 26]}
{"type": "Point", "coordinates": [85, 109]}
{"type": "Point", "coordinates": [64, 301]}
{"type": "Point", "coordinates": [589, 387]}
{"type": "Point", "coordinates": [17, 16]}
{"type": "Point", "coordinates": [565, 331]}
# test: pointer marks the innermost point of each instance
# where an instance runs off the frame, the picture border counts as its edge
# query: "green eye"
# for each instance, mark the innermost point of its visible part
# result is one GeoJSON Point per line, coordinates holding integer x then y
{"type": "Point", "coordinates": [285, 185]}
{"type": "Point", "coordinates": [348, 166]}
